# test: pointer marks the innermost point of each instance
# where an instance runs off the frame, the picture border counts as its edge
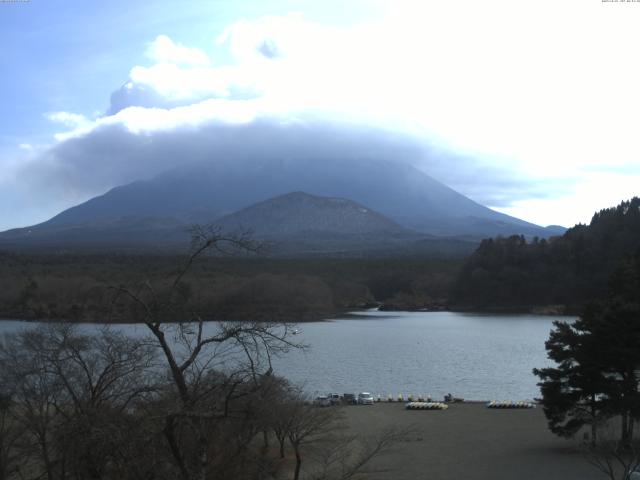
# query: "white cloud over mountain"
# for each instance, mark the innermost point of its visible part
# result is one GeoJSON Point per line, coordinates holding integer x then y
{"type": "Point", "coordinates": [282, 71]}
{"type": "Point", "coordinates": [505, 111]}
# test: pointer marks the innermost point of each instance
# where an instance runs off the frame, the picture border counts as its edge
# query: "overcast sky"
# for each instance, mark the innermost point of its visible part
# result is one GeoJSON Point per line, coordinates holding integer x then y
{"type": "Point", "coordinates": [528, 107]}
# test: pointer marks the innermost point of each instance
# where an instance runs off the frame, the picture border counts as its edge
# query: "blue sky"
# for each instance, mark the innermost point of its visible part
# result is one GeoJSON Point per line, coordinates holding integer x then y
{"type": "Point", "coordinates": [529, 108]}
{"type": "Point", "coordinates": [69, 55]}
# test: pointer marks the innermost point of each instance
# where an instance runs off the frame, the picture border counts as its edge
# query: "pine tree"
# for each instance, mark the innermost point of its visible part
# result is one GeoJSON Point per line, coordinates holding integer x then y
{"type": "Point", "coordinates": [572, 392]}
{"type": "Point", "coordinates": [598, 360]}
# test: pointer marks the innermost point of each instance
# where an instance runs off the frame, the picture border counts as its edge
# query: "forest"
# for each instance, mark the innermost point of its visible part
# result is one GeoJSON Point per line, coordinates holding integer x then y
{"type": "Point", "coordinates": [80, 287]}
{"type": "Point", "coordinates": [555, 275]}
{"type": "Point", "coordinates": [565, 271]}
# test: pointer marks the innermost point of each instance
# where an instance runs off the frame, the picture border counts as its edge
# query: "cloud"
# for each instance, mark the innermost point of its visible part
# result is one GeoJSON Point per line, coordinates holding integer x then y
{"type": "Point", "coordinates": [164, 50]}
{"type": "Point", "coordinates": [73, 121]}
{"type": "Point", "coordinates": [286, 59]}
{"type": "Point", "coordinates": [116, 152]}
{"type": "Point", "coordinates": [269, 48]}
{"type": "Point", "coordinates": [622, 169]}
{"type": "Point", "coordinates": [181, 75]}
{"type": "Point", "coordinates": [285, 94]}
{"type": "Point", "coordinates": [138, 143]}
{"type": "Point", "coordinates": [502, 121]}
{"type": "Point", "coordinates": [68, 119]}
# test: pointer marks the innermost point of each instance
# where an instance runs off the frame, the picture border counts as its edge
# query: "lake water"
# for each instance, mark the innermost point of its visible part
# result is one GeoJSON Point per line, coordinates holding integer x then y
{"type": "Point", "coordinates": [479, 357]}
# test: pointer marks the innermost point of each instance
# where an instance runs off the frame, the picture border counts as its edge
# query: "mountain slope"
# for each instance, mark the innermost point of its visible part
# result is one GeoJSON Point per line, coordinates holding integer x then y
{"type": "Point", "coordinates": [294, 224]}
{"type": "Point", "coordinates": [298, 212]}
{"type": "Point", "coordinates": [123, 233]}
{"type": "Point", "coordinates": [200, 193]}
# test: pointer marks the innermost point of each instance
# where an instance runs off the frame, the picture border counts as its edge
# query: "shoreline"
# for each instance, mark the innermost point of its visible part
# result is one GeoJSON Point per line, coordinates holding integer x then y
{"type": "Point", "coordinates": [345, 314]}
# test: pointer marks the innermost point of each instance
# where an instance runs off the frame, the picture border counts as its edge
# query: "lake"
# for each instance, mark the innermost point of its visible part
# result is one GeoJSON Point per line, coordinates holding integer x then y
{"type": "Point", "coordinates": [475, 356]}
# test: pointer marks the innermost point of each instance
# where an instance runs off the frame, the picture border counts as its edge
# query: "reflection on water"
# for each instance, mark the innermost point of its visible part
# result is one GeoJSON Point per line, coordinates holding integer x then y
{"type": "Point", "coordinates": [470, 355]}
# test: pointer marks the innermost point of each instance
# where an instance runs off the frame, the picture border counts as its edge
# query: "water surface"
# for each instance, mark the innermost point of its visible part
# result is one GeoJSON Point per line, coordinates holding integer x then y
{"type": "Point", "coordinates": [474, 356]}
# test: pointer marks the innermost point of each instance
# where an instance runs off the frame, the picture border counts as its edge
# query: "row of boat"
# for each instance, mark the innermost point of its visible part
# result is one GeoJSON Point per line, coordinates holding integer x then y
{"type": "Point", "coordinates": [402, 398]}
{"type": "Point", "coordinates": [510, 404]}
{"type": "Point", "coordinates": [426, 406]}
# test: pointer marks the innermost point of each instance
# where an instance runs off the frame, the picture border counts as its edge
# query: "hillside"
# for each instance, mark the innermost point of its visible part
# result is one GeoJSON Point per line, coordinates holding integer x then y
{"type": "Point", "coordinates": [300, 213]}
{"type": "Point", "coordinates": [513, 273]}
{"type": "Point", "coordinates": [155, 213]}
{"type": "Point", "coordinates": [295, 224]}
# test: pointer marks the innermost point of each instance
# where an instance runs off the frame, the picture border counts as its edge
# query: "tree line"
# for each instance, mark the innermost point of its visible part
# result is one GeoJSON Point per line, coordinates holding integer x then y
{"type": "Point", "coordinates": [77, 287]}
{"type": "Point", "coordinates": [569, 270]}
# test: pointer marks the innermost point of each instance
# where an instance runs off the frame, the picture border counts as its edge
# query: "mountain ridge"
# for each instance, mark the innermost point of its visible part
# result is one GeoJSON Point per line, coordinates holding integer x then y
{"type": "Point", "coordinates": [394, 189]}
{"type": "Point", "coordinates": [409, 199]}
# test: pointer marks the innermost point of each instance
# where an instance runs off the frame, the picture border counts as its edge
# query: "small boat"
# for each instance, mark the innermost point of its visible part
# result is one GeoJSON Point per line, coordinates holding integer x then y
{"type": "Point", "coordinates": [295, 331]}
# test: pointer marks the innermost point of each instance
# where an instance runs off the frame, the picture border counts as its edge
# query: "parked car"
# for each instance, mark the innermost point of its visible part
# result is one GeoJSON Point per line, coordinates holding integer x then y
{"type": "Point", "coordinates": [335, 398]}
{"type": "Point", "coordinates": [365, 398]}
{"type": "Point", "coordinates": [349, 398]}
{"type": "Point", "coordinates": [322, 401]}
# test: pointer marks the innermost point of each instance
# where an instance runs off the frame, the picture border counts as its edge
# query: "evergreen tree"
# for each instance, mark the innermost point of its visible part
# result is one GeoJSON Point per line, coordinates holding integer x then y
{"type": "Point", "coordinates": [598, 361]}
{"type": "Point", "coordinates": [572, 391]}
{"type": "Point", "coordinates": [568, 270]}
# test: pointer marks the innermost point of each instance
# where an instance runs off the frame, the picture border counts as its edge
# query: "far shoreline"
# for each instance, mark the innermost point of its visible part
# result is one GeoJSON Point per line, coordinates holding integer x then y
{"type": "Point", "coordinates": [343, 315]}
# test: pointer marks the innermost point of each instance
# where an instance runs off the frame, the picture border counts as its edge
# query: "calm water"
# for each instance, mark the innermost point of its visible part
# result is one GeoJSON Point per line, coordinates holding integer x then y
{"type": "Point", "coordinates": [474, 356]}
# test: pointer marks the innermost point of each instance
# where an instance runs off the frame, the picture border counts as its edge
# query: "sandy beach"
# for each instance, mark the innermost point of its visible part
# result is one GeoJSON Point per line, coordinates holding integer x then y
{"type": "Point", "coordinates": [470, 441]}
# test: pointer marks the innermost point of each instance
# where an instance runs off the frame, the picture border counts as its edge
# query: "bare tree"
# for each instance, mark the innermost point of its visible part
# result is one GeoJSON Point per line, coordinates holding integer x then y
{"type": "Point", "coordinates": [211, 366]}
{"type": "Point", "coordinates": [10, 434]}
{"type": "Point", "coordinates": [615, 458]}
{"type": "Point", "coordinates": [348, 456]}
{"type": "Point", "coordinates": [283, 400]}
{"type": "Point", "coordinates": [307, 425]}
{"type": "Point", "coordinates": [37, 392]}
{"type": "Point", "coordinates": [319, 435]}
{"type": "Point", "coordinates": [71, 391]}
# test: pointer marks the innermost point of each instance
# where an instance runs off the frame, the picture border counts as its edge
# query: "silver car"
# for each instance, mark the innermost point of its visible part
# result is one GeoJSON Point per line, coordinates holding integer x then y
{"type": "Point", "coordinates": [365, 398]}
